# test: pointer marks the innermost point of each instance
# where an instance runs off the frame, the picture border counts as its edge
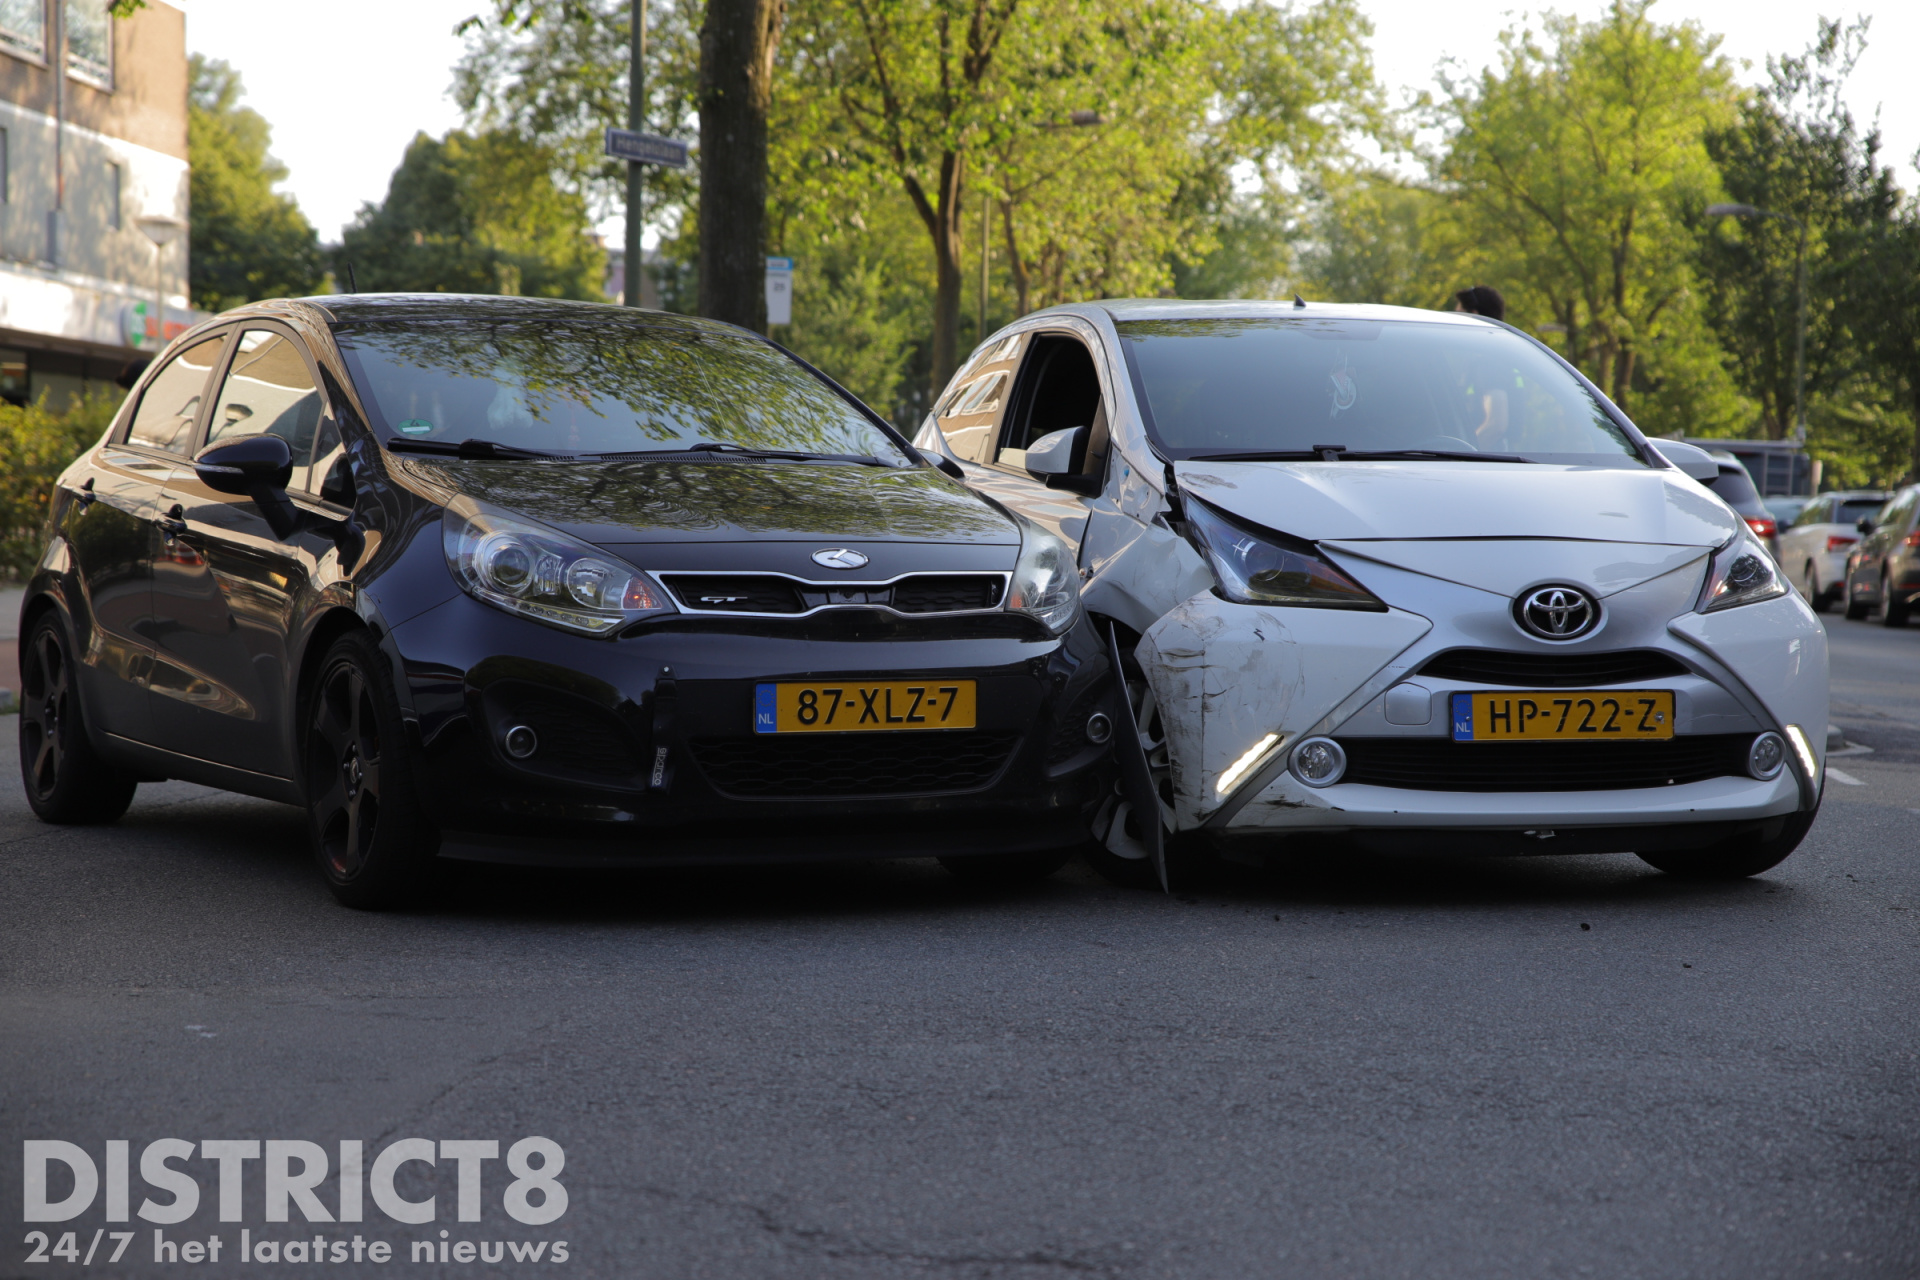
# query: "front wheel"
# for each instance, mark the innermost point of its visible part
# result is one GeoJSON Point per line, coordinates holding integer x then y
{"type": "Point", "coordinates": [373, 844]}
{"type": "Point", "coordinates": [1889, 612]}
{"type": "Point", "coordinates": [65, 781]}
{"type": "Point", "coordinates": [1738, 856]}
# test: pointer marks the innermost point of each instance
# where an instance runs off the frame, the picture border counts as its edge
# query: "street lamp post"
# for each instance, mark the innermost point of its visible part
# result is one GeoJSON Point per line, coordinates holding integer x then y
{"type": "Point", "coordinates": [1800, 305]}
{"type": "Point", "coordinates": [163, 229]}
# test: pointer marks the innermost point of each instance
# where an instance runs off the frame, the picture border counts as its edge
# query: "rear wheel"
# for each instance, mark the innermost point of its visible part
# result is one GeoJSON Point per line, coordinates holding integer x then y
{"type": "Point", "coordinates": [1889, 612]}
{"type": "Point", "coordinates": [1737, 857]}
{"type": "Point", "coordinates": [1817, 597]}
{"type": "Point", "coordinates": [1007, 870]}
{"type": "Point", "coordinates": [373, 844]}
{"type": "Point", "coordinates": [65, 781]}
{"type": "Point", "coordinates": [1855, 609]}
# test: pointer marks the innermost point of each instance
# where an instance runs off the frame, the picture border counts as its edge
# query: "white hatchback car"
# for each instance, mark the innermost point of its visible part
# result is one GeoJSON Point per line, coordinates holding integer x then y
{"type": "Point", "coordinates": [1401, 577]}
{"type": "Point", "coordinates": [1815, 547]}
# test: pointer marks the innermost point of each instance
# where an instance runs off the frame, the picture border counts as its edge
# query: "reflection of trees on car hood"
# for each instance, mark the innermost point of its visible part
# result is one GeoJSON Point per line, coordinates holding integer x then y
{"type": "Point", "coordinates": [631, 383]}
{"type": "Point", "coordinates": [626, 501]}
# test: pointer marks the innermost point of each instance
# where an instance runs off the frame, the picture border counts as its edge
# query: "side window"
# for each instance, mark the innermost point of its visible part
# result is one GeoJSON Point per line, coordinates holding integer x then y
{"type": "Point", "coordinates": [1058, 388]}
{"type": "Point", "coordinates": [268, 391]}
{"type": "Point", "coordinates": [170, 405]}
{"type": "Point", "coordinates": [969, 414]}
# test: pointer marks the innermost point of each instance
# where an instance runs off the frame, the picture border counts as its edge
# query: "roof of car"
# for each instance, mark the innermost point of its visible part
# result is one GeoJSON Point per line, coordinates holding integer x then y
{"type": "Point", "coordinates": [1257, 309]}
{"type": "Point", "coordinates": [350, 307]}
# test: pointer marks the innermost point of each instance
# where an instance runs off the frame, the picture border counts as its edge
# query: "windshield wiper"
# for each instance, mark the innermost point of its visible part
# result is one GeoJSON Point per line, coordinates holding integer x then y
{"type": "Point", "coordinates": [747, 451]}
{"type": "Point", "coordinates": [1333, 453]}
{"type": "Point", "coordinates": [471, 449]}
{"type": "Point", "coordinates": [1457, 455]}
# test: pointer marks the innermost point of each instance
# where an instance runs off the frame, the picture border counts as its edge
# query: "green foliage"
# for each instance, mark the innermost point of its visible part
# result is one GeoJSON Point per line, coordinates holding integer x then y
{"type": "Point", "coordinates": [35, 447]}
{"type": "Point", "coordinates": [1370, 242]}
{"type": "Point", "coordinates": [247, 241]}
{"type": "Point", "coordinates": [476, 214]}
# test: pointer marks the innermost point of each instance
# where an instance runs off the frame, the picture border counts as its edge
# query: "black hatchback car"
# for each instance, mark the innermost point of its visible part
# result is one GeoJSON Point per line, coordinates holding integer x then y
{"type": "Point", "coordinates": [529, 581]}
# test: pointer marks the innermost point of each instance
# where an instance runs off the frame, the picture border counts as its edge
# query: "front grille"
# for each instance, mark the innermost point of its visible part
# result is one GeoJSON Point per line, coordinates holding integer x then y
{"type": "Point", "coordinates": [769, 593]}
{"type": "Point", "coordinates": [1552, 670]}
{"type": "Point", "coordinates": [766, 594]}
{"type": "Point", "coordinates": [575, 736]}
{"type": "Point", "coordinates": [869, 764]}
{"type": "Point", "coordinates": [1428, 764]}
{"type": "Point", "coordinates": [946, 593]}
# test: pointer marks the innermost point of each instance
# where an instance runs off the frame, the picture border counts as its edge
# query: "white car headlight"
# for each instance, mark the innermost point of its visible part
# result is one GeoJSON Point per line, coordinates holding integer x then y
{"type": "Point", "coordinates": [1046, 582]}
{"type": "Point", "coordinates": [1258, 567]}
{"type": "Point", "coordinates": [541, 573]}
{"type": "Point", "coordinates": [1741, 573]}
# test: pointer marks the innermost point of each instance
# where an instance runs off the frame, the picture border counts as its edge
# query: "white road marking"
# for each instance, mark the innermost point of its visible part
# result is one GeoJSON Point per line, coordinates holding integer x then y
{"type": "Point", "coordinates": [1841, 775]}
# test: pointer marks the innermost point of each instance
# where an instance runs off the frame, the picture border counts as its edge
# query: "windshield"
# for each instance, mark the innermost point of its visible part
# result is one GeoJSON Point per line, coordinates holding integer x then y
{"type": "Point", "coordinates": [1293, 386]}
{"type": "Point", "coordinates": [606, 385]}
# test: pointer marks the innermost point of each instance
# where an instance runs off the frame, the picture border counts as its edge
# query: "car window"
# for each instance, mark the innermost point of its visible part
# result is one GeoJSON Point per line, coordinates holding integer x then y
{"type": "Point", "coordinates": [269, 391]}
{"type": "Point", "coordinates": [1059, 388]}
{"type": "Point", "coordinates": [1852, 512]}
{"type": "Point", "coordinates": [566, 383]}
{"type": "Point", "coordinates": [968, 415]}
{"type": "Point", "coordinates": [170, 405]}
{"type": "Point", "coordinates": [1223, 385]}
{"type": "Point", "coordinates": [1735, 487]}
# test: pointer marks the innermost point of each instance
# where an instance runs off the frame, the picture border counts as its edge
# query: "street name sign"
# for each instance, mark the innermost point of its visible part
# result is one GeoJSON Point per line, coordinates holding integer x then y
{"type": "Point", "coordinates": [646, 148]}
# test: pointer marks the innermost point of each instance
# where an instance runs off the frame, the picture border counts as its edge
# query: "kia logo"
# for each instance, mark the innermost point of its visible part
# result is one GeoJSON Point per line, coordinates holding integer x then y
{"type": "Point", "coordinates": [840, 558]}
{"type": "Point", "coordinates": [1557, 613]}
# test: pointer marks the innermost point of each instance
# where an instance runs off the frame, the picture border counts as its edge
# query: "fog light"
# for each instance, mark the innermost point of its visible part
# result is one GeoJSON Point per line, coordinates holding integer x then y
{"type": "Point", "coordinates": [1099, 728]}
{"type": "Point", "coordinates": [1319, 762]}
{"type": "Point", "coordinates": [1767, 756]}
{"type": "Point", "coordinates": [520, 742]}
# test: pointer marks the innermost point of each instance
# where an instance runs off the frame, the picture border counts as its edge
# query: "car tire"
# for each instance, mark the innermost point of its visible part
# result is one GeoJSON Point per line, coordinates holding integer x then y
{"type": "Point", "coordinates": [1819, 600]}
{"type": "Point", "coordinates": [1738, 857]}
{"type": "Point", "coordinates": [1007, 870]}
{"type": "Point", "coordinates": [1888, 612]}
{"type": "Point", "coordinates": [373, 843]}
{"type": "Point", "coordinates": [1856, 612]}
{"type": "Point", "coordinates": [65, 781]}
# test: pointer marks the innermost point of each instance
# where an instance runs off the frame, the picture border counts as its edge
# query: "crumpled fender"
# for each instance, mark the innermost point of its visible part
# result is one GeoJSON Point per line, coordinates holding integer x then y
{"type": "Point", "coordinates": [1225, 675]}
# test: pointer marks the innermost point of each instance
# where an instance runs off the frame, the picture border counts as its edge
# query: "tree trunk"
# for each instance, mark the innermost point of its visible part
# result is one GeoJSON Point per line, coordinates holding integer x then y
{"type": "Point", "coordinates": [737, 44]}
{"type": "Point", "coordinates": [1016, 265]}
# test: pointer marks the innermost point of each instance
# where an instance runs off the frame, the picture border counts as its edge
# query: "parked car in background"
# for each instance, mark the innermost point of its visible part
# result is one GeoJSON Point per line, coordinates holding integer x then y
{"type": "Point", "coordinates": [520, 580]}
{"type": "Point", "coordinates": [1815, 544]}
{"type": "Point", "coordinates": [1883, 573]}
{"type": "Point", "coordinates": [1735, 487]}
{"type": "Point", "coordinates": [1786, 510]}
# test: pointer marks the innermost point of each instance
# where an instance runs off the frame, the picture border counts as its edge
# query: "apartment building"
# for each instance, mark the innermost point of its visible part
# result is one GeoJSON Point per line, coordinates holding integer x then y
{"type": "Point", "coordinates": [93, 149]}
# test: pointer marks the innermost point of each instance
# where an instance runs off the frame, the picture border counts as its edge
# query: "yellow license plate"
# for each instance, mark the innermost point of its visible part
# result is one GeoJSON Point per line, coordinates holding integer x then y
{"type": "Point", "coordinates": [860, 706]}
{"type": "Point", "coordinates": [1564, 715]}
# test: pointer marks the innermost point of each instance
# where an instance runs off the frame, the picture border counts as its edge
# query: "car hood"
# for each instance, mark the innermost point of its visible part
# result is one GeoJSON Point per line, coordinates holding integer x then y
{"type": "Point", "coordinates": [632, 502]}
{"type": "Point", "coordinates": [1354, 501]}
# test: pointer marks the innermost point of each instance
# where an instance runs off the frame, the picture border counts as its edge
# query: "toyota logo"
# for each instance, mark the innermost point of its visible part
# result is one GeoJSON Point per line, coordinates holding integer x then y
{"type": "Point", "coordinates": [1557, 613]}
{"type": "Point", "coordinates": [839, 558]}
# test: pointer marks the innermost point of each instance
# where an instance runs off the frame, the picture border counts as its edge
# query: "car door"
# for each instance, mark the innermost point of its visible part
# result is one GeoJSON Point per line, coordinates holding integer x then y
{"type": "Point", "coordinates": [226, 585]}
{"type": "Point", "coordinates": [1056, 385]}
{"type": "Point", "coordinates": [113, 535]}
{"type": "Point", "coordinates": [1888, 525]}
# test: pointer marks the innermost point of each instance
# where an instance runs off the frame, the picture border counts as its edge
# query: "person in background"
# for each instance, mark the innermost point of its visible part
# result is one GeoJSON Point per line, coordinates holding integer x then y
{"type": "Point", "coordinates": [1481, 300]}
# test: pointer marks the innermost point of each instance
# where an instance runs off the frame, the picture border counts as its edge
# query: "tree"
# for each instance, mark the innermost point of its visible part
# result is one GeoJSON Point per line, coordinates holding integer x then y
{"type": "Point", "coordinates": [1574, 172]}
{"type": "Point", "coordinates": [738, 42]}
{"type": "Point", "coordinates": [475, 214]}
{"type": "Point", "coordinates": [246, 240]}
{"type": "Point", "coordinates": [1369, 240]}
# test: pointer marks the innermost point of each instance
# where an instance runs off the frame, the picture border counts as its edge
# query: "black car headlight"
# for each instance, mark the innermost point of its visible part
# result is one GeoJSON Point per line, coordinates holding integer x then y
{"type": "Point", "coordinates": [1740, 573]}
{"type": "Point", "coordinates": [541, 573]}
{"type": "Point", "coordinates": [1258, 566]}
{"type": "Point", "coordinates": [1046, 581]}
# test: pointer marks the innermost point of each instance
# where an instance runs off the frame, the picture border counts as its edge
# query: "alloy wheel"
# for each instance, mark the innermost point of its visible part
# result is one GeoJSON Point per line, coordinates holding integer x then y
{"type": "Point", "coordinates": [44, 707]}
{"type": "Point", "coordinates": [343, 761]}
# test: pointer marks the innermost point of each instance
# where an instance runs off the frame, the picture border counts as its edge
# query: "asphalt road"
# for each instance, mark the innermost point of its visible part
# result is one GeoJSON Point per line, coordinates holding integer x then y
{"type": "Point", "coordinates": [1352, 1067]}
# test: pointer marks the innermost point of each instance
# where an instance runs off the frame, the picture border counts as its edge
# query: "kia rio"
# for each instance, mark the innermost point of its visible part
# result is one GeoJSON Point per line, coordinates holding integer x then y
{"type": "Point", "coordinates": [1398, 577]}
{"type": "Point", "coordinates": [528, 581]}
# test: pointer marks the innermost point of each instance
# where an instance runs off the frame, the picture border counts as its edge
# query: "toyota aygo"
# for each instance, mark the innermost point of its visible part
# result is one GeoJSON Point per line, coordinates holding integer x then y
{"type": "Point", "coordinates": [514, 580]}
{"type": "Point", "coordinates": [1401, 577]}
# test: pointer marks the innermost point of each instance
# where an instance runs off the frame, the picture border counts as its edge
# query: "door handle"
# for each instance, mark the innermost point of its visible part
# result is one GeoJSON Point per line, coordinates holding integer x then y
{"type": "Point", "coordinates": [174, 523]}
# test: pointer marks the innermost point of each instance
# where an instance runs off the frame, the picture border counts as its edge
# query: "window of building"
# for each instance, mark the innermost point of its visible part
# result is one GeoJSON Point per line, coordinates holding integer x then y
{"type": "Point", "coordinates": [90, 41]}
{"type": "Point", "coordinates": [116, 193]}
{"type": "Point", "coordinates": [23, 28]}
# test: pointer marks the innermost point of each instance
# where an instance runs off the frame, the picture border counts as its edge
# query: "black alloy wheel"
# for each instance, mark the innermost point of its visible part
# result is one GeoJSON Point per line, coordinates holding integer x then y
{"type": "Point", "coordinates": [1738, 856]}
{"type": "Point", "coordinates": [1889, 612]}
{"type": "Point", "coordinates": [371, 840]}
{"type": "Point", "coordinates": [65, 781]}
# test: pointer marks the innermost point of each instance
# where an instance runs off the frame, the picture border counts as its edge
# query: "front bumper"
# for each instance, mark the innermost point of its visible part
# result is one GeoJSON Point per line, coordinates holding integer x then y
{"type": "Point", "coordinates": [648, 754]}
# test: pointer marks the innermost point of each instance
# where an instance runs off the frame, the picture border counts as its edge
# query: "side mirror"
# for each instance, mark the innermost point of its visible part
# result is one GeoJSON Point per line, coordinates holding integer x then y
{"type": "Point", "coordinates": [1864, 524]}
{"type": "Point", "coordinates": [1055, 459]}
{"type": "Point", "coordinates": [247, 465]}
{"type": "Point", "coordinates": [1695, 462]}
